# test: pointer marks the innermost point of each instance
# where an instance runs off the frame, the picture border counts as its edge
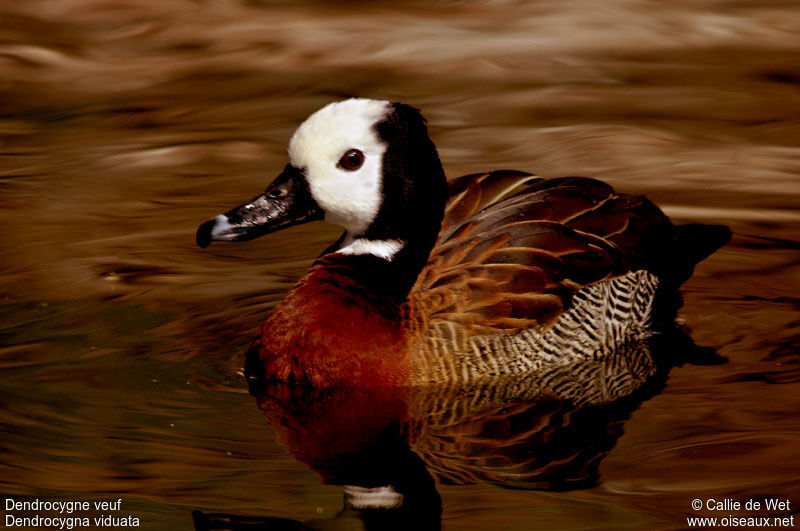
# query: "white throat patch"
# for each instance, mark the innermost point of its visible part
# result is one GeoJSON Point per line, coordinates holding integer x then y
{"type": "Point", "coordinates": [350, 199]}
{"type": "Point", "coordinates": [385, 249]}
{"type": "Point", "coordinates": [372, 498]}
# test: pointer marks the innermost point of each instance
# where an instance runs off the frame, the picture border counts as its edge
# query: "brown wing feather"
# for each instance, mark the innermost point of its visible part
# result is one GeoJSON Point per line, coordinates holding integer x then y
{"type": "Point", "coordinates": [513, 248]}
{"type": "Point", "coordinates": [470, 193]}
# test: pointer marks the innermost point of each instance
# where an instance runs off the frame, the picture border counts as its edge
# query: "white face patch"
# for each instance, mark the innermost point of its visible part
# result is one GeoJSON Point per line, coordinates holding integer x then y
{"type": "Point", "coordinates": [350, 199]}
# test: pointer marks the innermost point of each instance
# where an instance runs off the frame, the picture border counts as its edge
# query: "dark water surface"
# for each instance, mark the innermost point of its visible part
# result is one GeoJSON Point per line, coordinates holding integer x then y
{"type": "Point", "coordinates": [123, 125]}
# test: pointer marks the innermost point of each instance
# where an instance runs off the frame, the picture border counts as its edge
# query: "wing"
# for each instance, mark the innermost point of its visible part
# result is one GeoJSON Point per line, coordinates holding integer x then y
{"type": "Point", "coordinates": [513, 249]}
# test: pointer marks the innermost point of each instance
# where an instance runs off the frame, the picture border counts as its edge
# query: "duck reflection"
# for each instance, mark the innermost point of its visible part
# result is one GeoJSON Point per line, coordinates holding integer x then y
{"type": "Point", "coordinates": [389, 449]}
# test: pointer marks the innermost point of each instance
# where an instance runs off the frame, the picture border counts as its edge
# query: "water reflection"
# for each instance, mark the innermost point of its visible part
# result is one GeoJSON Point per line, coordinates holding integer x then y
{"type": "Point", "coordinates": [390, 448]}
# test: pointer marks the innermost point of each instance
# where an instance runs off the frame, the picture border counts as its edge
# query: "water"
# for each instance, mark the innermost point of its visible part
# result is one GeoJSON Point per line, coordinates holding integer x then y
{"type": "Point", "coordinates": [125, 125]}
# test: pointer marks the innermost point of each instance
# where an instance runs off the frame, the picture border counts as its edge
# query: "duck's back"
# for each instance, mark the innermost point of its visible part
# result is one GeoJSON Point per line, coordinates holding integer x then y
{"type": "Point", "coordinates": [531, 275]}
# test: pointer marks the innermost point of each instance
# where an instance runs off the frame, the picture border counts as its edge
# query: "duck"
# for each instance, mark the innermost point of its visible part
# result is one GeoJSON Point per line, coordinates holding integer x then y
{"type": "Point", "coordinates": [499, 274]}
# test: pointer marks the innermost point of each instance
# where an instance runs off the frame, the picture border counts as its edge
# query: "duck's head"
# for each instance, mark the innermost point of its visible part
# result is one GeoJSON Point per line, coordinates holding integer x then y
{"type": "Point", "coordinates": [365, 165]}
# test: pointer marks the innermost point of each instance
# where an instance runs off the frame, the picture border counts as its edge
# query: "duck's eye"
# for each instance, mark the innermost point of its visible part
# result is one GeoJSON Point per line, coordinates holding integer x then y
{"type": "Point", "coordinates": [352, 160]}
{"type": "Point", "coordinates": [277, 193]}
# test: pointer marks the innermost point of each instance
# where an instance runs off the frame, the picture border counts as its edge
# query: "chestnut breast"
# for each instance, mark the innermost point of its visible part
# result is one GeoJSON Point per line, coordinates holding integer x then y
{"type": "Point", "coordinates": [332, 329]}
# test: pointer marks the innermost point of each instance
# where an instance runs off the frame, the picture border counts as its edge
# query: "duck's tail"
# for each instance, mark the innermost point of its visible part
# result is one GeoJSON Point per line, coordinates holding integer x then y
{"type": "Point", "coordinates": [690, 244]}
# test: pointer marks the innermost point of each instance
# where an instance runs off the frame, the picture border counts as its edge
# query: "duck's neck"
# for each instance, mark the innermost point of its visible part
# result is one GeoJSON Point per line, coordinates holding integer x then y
{"type": "Point", "coordinates": [380, 281]}
{"type": "Point", "coordinates": [413, 195]}
{"type": "Point", "coordinates": [389, 256]}
{"type": "Point", "coordinates": [386, 267]}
